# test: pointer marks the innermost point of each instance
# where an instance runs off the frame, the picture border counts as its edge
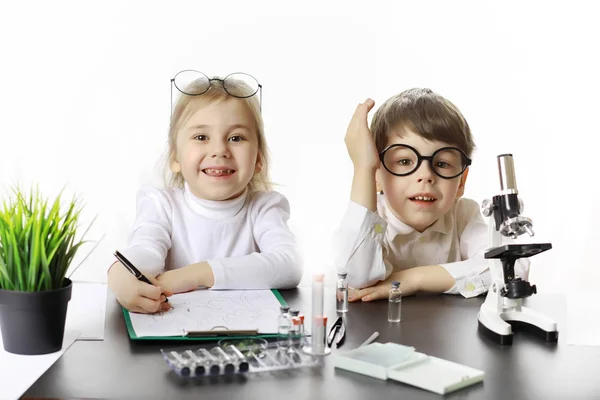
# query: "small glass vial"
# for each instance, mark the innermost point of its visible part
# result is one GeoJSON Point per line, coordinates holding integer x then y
{"type": "Point", "coordinates": [301, 329]}
{"type": "Point", "coordinates": [395, 303]}
{"type": "Point", "coordinates": [294, 328]}
{"type": "Point", "coordinates": [341, 294]}
{"type": "Point", "coordinates": [284, 328]}
{"type": "Point", "coordinates": [294, 312]}
{"type": "Point", "coordinates": [295, 334]}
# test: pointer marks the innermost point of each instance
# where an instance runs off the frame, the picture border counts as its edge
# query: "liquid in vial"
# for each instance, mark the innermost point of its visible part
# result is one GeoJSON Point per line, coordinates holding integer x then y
{"type": "Point", "coordinates": [284, 327]}
{"type": "Point", "coordinates": [395, 303]}
{"type": "Point", "coordinates": [341, 294]}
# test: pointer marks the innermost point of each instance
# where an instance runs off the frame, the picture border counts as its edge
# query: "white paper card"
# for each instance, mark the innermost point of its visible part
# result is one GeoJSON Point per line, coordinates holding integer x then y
{"type": "Point", "coordinates": [18, 372]}
{"type": "Point", "coordinates": [87, 310]}
{"type": "Point", "coordinates": [404, 364]}
{"type": "Point", "coordinates": [203, 310]}
{"type": "Point", "coordinates": [373, 359]}
{"type": "Point", "coordinates": [436, 375]}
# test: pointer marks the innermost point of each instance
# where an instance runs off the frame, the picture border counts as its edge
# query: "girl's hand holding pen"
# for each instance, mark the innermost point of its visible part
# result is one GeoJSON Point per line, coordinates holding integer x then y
{"type": "Point", "coordinates": [135, 295]}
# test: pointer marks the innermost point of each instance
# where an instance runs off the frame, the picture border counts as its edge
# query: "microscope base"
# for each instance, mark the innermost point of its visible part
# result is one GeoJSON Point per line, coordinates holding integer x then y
{"type": "Point", "coordinates": [499, 327]}
{"type": "Point", "coordinates": [548, 336]}
{"type": "Point", "coordinates": [502, 339]}
{"type": "Point", "coordinates": [517, 326]}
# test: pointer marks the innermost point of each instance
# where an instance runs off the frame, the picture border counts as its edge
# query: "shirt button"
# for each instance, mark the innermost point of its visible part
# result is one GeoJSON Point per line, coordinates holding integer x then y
{"type": "Point", "coordinates": [378, 228]}
{"type": "Point", "coordinates": [470, 287]}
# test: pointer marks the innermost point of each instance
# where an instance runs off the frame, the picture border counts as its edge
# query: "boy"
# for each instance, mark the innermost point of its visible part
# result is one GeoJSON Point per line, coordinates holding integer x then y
{"type": "Point", "coordinates": [417, 230]}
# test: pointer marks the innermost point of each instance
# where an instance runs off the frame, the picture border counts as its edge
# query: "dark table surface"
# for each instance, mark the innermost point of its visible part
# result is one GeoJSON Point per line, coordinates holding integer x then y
{"type": "Point", "coordinates": [439, 325]}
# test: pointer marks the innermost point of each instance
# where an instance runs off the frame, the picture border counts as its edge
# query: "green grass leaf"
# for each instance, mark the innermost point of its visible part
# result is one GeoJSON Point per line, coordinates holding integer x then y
{"type": "Point", "coordinates": [37, 240]}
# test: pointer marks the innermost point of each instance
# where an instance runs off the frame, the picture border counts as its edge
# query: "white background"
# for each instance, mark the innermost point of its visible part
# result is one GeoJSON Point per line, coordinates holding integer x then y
{"type": "Point", "coordinates": [84, 101]}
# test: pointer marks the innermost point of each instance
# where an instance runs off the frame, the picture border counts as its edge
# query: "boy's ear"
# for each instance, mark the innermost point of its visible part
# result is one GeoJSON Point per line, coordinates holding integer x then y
{"type": "Point", "coordinates": [461, 186]}
{"type": "Point", "coordinates": [378, 187]}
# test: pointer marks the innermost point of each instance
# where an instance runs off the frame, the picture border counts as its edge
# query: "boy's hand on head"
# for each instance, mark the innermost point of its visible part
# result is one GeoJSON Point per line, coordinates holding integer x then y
{"type": "Point", "coordinates": [381, 290]}
{"type": "Point", "coordinates": [359, 140]}
{"type": "Point", "coordinates": [135, 295]}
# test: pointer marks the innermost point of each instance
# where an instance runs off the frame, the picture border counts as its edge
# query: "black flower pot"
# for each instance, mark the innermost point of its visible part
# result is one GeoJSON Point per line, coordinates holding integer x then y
{"type": "Point", "coordinates": [34, 322]}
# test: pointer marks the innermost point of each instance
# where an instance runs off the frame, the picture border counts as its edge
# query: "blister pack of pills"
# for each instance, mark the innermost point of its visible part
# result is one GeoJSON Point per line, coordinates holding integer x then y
{"type": "Point", "coordinates": [236, 356]}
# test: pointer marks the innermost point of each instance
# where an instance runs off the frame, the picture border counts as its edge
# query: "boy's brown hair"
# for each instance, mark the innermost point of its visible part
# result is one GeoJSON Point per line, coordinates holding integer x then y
{"type": "Point", "coordinates": [425, 113]}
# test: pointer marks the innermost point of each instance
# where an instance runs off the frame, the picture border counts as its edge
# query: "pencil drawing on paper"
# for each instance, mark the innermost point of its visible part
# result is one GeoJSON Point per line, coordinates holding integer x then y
{"type": "Point", "coordinates": [203, 310]}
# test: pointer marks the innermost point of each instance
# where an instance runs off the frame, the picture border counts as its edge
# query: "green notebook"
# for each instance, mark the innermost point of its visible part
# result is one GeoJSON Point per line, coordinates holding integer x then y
{"type": "Point", "coordinates": [223, 297]}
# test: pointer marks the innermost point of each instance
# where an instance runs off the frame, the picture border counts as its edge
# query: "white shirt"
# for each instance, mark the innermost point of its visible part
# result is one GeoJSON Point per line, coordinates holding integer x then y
{"type": "Point", "coordinates": [245, 240]}
{"type": "Point", "coordinates": [370, 246]}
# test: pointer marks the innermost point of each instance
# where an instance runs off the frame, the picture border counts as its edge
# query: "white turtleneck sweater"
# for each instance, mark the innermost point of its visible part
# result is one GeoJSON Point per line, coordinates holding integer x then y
{"type": "Point", "coordinates": [245, 240]}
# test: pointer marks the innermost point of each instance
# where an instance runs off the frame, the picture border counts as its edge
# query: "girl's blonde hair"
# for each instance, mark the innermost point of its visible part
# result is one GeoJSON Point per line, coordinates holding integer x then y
{"type": "Point", "coordinates": [187, 106]}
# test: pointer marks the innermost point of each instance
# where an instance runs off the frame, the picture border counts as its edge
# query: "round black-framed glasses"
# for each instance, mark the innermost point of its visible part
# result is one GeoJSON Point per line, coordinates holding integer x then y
{"type": "Point", "coordinates": [196, 83]}
{"type": "Point", "coordinates": [403, 160]}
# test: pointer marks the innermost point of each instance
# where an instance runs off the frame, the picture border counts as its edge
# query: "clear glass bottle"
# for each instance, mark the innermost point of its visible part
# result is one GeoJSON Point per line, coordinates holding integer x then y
{"type": "Point", "coordinates": [341, 294]}
{"type": "Point", "coordinates": [294, 328]}
{"type": "Point", "coordinates": [301, 329]}
{"type": "Point", "coordinates": [395, 303]}
{"type": "Point", "coordinates": [284, 328]}
{"type": "Point", "coordinates": [295, 334]}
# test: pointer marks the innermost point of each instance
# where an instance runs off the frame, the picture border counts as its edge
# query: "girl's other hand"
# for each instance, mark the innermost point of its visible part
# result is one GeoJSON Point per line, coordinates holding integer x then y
{"type": "Point", "coordinates": [187, 278]}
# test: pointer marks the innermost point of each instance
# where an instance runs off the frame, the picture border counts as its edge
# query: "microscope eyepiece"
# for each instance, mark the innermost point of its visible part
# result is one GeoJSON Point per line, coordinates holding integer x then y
{"type": "Point", "coordinates": [506, 170]}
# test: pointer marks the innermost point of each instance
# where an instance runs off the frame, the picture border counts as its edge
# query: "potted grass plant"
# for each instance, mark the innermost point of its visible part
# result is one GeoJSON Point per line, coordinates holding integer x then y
{"type": "Point", "coordinates": [37, 245]}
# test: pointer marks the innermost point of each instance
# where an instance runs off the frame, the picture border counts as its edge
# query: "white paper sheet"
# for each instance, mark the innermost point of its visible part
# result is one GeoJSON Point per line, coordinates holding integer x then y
{"type": "Point", "coordinates": [87, 309]}
{"type": "Point", "coordinates": [203, 310]}
{"type": "Point", "coordinates": [583, 319]}
{"type": "Point", "coordinates": [18, 372]}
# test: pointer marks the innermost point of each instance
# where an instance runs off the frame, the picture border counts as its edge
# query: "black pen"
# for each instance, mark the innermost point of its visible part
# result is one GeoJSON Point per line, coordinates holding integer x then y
{"type": "Point", "coordinates": [134, 271]}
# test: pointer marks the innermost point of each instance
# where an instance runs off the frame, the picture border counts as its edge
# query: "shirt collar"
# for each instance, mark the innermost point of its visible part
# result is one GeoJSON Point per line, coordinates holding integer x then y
{"type": "Point", "coordinates": [443, 225]}
{"type": "Point", "coordinates": [214, 209]}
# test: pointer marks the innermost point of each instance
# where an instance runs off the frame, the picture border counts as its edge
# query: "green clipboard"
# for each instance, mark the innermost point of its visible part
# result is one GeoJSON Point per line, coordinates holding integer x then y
{"type": "Point", "coordinates": [133, 336]}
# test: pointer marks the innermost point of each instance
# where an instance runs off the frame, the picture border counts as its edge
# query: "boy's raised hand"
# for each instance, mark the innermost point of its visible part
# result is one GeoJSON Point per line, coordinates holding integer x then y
{"type": "Point", "coordinates": [359, 140]}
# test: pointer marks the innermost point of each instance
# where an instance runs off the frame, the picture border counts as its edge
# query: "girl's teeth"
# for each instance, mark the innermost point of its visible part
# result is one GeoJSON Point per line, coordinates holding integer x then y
{"type": "Point", "coordinates": [219, 171]}
{"type": "Point", "coordinates": [424, 198]}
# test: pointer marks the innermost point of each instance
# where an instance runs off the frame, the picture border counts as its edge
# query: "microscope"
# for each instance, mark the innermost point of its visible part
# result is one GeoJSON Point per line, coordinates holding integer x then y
{"type": "Point", "coordinates": [502, 310]}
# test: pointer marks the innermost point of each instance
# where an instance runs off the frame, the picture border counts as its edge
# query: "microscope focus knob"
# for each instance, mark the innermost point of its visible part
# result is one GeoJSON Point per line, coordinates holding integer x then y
{"type": "Point", "coordinates": [521, 206]}
{"type": "Point", "coordinates": [514, 227]}
{"type": "Point", "coordinates": [487, 207]}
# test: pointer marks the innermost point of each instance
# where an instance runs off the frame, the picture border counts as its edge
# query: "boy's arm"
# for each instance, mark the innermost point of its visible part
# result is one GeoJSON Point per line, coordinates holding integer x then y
{"type": "Point", "coordinates": [358, 247]}
{"type": "Point", "coordinates": [363, 153]}
{"type": "Point", "coordinates": [358, 242]}
{"type": "Point", "coordinates": [364, 190]}
{"type": "Point", "coordinates": [431, 278]}
{"type": "Point", "coordinates": [468, 277]}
